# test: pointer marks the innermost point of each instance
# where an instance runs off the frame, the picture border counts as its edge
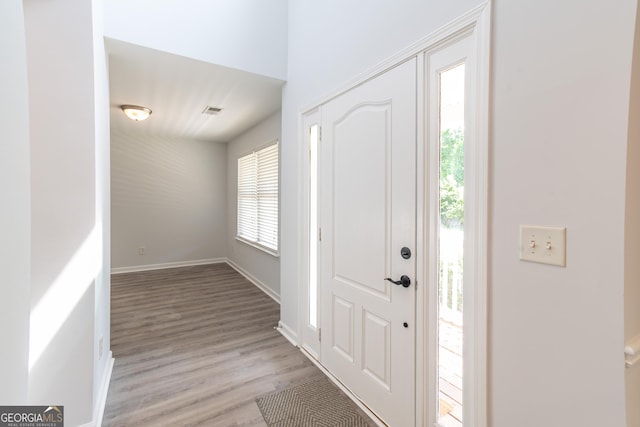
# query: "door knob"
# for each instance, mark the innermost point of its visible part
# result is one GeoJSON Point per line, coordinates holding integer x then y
{"type": "Point", "coordinates": [405, 281]}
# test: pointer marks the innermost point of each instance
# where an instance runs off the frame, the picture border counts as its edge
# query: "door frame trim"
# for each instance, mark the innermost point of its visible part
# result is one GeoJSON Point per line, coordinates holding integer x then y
{"type": "Point", "coordinates": [477, 23]}
{"type": "Point", "coordinates": [477, 386]}
{"type": "Point", "coordinates": [474, 406]}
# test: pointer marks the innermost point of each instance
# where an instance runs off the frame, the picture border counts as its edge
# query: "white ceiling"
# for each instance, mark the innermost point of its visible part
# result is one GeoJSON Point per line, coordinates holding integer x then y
{"type": "Point", "coordinates": [177, 89]}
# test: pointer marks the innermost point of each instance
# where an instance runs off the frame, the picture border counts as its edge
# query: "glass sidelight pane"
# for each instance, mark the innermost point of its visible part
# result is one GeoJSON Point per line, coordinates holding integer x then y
{"type": "Point", "coordinates": [451, 233]}
{"type": "Point", "coordinates": [313, 226]}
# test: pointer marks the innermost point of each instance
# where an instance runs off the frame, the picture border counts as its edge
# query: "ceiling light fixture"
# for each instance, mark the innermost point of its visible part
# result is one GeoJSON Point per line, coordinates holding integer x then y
{"type": "Point", "coordinates": [135, 112]}
{"type": "Point", "coordinates": [212, 111]}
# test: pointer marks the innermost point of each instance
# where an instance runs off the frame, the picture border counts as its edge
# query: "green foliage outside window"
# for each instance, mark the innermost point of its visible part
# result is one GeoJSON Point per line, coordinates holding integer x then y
{"type": "Point", "coordinates": [452, 178]}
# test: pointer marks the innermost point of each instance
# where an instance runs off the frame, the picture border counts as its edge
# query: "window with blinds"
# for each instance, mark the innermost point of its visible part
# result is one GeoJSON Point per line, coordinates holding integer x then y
{"type": "Point", "coordinates": [258, 198]}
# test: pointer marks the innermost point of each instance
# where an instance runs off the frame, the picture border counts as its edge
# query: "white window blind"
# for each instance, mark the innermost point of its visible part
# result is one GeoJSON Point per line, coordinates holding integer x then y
{"type": "Point", "coordinates": [258, 197]}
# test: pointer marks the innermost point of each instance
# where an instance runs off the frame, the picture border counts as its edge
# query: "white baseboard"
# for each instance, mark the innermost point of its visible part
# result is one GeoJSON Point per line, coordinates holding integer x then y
{"type": "Point", "coordinates": [147, 267]}
{"type": "Point", "coordinates": [104, 390]}
{"type": "Point", "coordinates": [250, 277]}
{"type": "Point", "coordinates": [346, 391]}
{"type": "Point", "coordinates": [101, 403]}
{"type": "Point", "coordinates": [288, 333]}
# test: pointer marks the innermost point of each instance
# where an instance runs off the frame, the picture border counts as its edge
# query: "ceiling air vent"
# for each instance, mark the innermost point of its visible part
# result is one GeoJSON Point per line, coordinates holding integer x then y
{"type": "Point", "coordinates": [212, 111]}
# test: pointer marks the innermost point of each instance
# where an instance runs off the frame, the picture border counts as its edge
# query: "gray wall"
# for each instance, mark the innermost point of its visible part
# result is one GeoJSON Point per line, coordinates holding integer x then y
{"type": "Point", "coordinates": [168, 196]}
{"type": "Point", "coordinates": [264, 267]}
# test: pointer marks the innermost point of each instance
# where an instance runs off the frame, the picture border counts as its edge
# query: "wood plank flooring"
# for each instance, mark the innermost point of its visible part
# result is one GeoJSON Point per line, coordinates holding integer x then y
{"type": "Point", "coordinates": [194, 346]}
{"type": "Point", "coordinates": [450, 370]}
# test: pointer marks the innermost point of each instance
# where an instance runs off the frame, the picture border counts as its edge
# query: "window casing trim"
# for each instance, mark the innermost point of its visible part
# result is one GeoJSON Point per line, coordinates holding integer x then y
{"type": "Point", "coordinates": [258, 246]}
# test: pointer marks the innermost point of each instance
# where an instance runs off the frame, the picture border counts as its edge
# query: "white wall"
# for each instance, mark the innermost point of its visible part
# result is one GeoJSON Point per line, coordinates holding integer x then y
{"type": "Point", "coordinates": [69, 286]}
{"type": "Point", "coordinates": [632, 235]}
{"type": "Point", "coordinates": [261, 265]}
{"type": "Point", "coordinates": [102, 314]}
{"type": "Point", "coordinates": [15, 215]}
{"type": "Point", "coordinates": [63, 206]}
{"type": "Point", "coordinates": [169, 196]}
{"type": "Point", "coordinates": [559, 133]}
{"type": "Point", "coordinates": [244, 34]}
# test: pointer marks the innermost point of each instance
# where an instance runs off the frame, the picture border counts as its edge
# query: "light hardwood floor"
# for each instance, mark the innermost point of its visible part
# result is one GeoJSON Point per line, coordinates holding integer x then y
{"type": "Point", "coordinates": [194, 346]}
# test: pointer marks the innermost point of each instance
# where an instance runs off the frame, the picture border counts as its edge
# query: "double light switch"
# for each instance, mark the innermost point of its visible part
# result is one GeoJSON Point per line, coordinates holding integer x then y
{"type": "Point", "coordinates": [546, 245]}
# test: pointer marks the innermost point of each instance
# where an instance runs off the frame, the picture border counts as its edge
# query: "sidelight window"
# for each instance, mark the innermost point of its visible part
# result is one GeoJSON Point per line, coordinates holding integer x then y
{"type": "Point", "coordinates": [451, 250]}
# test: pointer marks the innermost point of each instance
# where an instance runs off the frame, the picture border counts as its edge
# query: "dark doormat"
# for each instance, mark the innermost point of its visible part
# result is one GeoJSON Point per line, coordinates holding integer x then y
{"type": "Point", "coordinates": [317, 402]}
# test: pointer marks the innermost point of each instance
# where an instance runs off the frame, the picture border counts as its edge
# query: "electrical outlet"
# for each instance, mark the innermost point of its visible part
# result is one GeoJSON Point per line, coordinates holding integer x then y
{"type": "Point", "coordinates": [100, 348]}
{"type": "Point", "coordinates": [546, 245]}
{"type": "Point", "coordinates": [141, 250]}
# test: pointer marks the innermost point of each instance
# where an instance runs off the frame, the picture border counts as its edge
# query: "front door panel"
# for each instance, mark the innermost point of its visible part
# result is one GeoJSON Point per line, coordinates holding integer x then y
{"type": "Point", "coordinates": [368, 212]}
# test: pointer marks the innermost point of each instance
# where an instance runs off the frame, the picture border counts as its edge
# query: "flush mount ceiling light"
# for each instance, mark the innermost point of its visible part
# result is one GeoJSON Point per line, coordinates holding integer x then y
{"type": "Point", "coordinates": [135, 112]}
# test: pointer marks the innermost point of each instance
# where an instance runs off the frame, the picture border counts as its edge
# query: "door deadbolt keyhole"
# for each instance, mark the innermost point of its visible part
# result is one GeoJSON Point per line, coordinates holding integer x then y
{"type": "Point", "coordinates": [405, 252]}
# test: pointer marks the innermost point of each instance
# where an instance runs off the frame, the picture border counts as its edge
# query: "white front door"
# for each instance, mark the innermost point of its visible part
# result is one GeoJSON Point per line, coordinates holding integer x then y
{"type": "Point", "coordinates": [367, 217]}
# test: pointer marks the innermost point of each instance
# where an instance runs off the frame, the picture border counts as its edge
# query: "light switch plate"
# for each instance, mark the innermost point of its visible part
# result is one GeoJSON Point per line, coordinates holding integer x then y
{"type": "Point", "coordinates": [546, 245]}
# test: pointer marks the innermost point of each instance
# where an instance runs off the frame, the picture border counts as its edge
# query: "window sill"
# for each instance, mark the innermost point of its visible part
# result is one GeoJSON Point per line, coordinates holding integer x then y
{"type": "Point", "coordinates": [269, 251]}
